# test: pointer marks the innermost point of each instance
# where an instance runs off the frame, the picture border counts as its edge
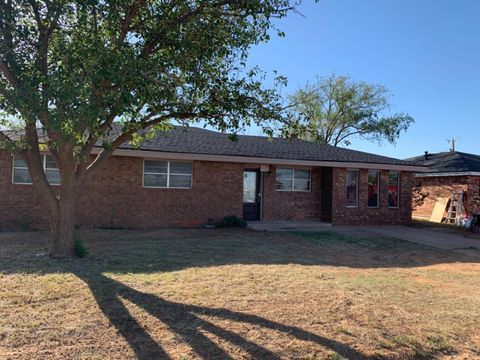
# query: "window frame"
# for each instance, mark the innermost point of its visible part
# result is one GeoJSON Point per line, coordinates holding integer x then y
{"type": "Point", "coordinates": [398, 189]}
{"type": "Point", "coordinates": [292, 189]}
{"type": "Point", "coordinates": [168, 174]}
{"type": "Point", "coordinates": [378, 189]}
{"type": "Point", "coordinates": [356, 187]}
{"type": "Point", "coordinates": [44, 167]}
{"type": "Point", "coordinates": [55, 169]}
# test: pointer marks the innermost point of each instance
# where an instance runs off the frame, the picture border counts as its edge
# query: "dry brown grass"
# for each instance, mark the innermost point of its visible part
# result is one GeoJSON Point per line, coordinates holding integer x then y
{"type": "Point", "coordinates": [223, 294]}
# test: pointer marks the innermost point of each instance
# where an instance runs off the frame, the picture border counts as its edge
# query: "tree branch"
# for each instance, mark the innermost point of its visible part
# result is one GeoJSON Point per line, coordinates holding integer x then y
{"type": "Point", "coordinates": [126, 136]}
{"type": "Point", "coordinates": [92, 139]}
{"type": "Point", "coordinates": [38, 18]}
{"type": "Point", "coordinates": [6, 139]}
{"type": "Point", "coordinates": [151, 45]}
{"type": "Point", "coordinates": [33, 157]}
{"type": "Point", "coordinates": [338, 137]}
{"type": "Point", "coordinates": [9, 75]}
{"type": "Point", "coordinates": [346, 135]}
{"type": "Point", "coordinates": [125, 24]}
{"type": "Point", "coordinates": [44, 34]}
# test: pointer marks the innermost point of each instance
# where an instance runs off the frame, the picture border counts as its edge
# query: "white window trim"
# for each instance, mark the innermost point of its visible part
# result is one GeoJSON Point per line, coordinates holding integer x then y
{"type": "Point", "coordinates": [293, 179]}
{"type": "Point", "coordinates": [398, 190]}
{"type": "Point", "coordinates": [44, 166]}
{"type": "Point", "coordinates": [356, 193]}
{"type": "Point", "coordinates": [378, 190]}
{"type": "Point", "coordinates": [168, 175]}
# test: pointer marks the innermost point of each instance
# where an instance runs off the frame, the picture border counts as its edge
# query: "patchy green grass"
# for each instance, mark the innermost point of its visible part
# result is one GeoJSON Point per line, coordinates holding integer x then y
{"type": "Point", "coordinates": [332, 238]}
{"type": "Point", "coordinates": [223, 294]}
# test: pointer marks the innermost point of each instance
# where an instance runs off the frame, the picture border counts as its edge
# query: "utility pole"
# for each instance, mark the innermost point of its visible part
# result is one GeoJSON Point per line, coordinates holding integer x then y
{"type": "Point", "coordinates": [452, 143]}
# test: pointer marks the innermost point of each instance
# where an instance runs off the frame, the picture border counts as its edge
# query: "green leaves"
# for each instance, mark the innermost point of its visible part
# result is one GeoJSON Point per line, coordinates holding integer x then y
{"type": "Point", "coordinates": [335, 109]}
{"type": "Point", "coordinates": [80, 65]}
{"type": "Point", "coordinates": [92, 72]}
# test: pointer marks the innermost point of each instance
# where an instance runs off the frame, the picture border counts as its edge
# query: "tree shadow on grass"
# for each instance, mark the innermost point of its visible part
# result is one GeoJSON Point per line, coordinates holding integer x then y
{"type": "Point", "coordinates": [172, 250]}
{"type": "Point", "coordinates": [186, 322]}
{"type": "Point", "coordinates": [164, 251]}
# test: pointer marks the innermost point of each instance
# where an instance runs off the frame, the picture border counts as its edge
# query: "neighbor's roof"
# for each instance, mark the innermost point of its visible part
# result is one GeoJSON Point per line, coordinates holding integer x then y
{"type": "Point", "coordinates": [449, 162]}
{"type": "Point", "coordinates": [192, 140]}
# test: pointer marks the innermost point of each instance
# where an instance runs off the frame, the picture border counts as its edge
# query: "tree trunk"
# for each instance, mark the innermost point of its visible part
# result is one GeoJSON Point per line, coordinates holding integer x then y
{"type": "Point", "coordinates": [63, 224]}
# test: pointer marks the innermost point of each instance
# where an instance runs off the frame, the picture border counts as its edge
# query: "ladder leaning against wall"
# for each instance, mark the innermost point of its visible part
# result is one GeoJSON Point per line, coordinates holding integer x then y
{"type": "Point", "coordinates": [455, 209]}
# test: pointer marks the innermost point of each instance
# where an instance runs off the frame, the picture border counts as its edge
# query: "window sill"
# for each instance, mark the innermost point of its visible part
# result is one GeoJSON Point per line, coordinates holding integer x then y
{"type": "Point", "coordinates": [166, 188]}
{"type": "Point", "coordinates": [293, 191]}
{"type": "Point", "coordinates": [30, 184]}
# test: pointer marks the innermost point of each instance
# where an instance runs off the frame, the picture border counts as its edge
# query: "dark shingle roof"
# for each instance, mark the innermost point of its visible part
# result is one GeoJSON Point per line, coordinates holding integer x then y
{"type": "Point", "coordinates": [451, 161]}
{"type": "Point", "coordinates": [194, 140]}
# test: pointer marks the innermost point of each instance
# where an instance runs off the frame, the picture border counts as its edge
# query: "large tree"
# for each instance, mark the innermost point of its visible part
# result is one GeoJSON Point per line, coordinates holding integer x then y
{"type": "Point", "coordinates": [336, 109]}
{"type": "Point", "coordinates": [71, 69]}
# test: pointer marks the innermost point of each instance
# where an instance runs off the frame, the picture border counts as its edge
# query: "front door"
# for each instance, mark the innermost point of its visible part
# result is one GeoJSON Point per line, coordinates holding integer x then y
{"type": "Point", "coordinates": [251, 195]}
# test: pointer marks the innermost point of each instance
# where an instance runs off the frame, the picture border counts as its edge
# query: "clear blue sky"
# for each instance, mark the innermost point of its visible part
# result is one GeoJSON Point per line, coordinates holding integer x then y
{"type": "Point", "coordinates": [426, 52]}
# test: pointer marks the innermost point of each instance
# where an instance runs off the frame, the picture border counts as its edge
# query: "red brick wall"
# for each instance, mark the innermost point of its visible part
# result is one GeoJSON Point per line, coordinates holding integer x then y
{"type": "Point", "coordinates": [115, 198]}
{"type": "Point", "coordinates": [20, 206]}
{"type": "Point", "coordinates": [291, 204]}
{"type": "Point", "coordinates": [427, 190]}
{"type": "Point", "coordinates": [473, 196]}
{"type": "Point", "coordinates": [362, 214]}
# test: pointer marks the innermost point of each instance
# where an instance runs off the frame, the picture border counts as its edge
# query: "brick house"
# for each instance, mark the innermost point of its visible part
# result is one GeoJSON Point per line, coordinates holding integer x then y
{"type": "Point", "coordinates": [189, 177]}
{"type": "Point", "coordinates": [447, 172]}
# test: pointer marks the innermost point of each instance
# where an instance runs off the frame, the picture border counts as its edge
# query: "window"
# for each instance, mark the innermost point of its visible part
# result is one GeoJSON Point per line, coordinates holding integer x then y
{"type": "Point", "coordinates": [352, 188]}
{"type": "Point", "coordinates": [51, 170]}
{"type": "Point", "coordinates": [250, 187]}
{"type": "Point", "coordinates": [21, 175]}
{"type": "Point", "coordinates": [167, 174]}
{"type": "Point", "coordinates": [292, 179]}
{"type": "Point", "coordinates": [393, 189]}
{"type": "Point", "coordinates": [373, 184]}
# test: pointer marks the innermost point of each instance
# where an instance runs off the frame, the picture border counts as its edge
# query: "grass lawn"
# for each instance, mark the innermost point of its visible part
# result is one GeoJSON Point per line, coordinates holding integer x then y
{"type": "Point", "coordinates": [236, 294]}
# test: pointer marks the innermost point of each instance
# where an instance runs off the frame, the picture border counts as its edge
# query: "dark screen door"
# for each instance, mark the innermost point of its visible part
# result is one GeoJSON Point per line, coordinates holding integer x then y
{"type": "Point", "coordinates": [251, 195]}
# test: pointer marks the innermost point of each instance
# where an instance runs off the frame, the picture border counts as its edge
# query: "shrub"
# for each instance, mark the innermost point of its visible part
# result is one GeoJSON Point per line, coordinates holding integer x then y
{"type": "Point", "coordinates": [80, 249]}
{"type": "Point", "coordinates": [232, 221]}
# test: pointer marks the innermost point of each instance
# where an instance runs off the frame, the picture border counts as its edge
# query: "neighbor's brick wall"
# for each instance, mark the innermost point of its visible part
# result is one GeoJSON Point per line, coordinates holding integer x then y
{"type": "Point", "coordinates": [362, 214]}
{"type": "Point", "coordinates": [114, 197]}
{"type": "Point", "coordinates": [287, 205]}
{"type": "Point", "coordinates": [427, 190]}
{"type": "Point", "coordinates": [473, 200]}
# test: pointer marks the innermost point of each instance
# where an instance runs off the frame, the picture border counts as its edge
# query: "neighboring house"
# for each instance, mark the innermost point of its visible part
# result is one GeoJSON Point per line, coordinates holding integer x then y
{"type": "Point", "coordinates": [193, 176]}
{"type": "Point", "coordinates": [447, 172]}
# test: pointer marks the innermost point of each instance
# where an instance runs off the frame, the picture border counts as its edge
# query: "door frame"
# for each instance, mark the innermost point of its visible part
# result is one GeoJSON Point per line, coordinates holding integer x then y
{"type": "Point", "coordinates": [258, 192]}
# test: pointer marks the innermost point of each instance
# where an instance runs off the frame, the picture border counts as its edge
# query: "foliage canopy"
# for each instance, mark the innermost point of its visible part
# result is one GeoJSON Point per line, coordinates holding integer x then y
{"type": "Point", "coordinates": [71, 69]}
{"type": "Point", "coordinates": [336, 108]}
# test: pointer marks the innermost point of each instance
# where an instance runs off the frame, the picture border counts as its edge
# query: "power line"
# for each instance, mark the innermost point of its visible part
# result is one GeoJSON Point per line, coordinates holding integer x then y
{"type": "Point", "coordinates": [452, 143]}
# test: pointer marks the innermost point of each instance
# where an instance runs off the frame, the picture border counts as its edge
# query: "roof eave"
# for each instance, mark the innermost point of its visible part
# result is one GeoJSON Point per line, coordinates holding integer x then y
{"type": "Point", "coordinates": [261, 160]}
{"type": "Point", "coordinates": [449, 173]}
